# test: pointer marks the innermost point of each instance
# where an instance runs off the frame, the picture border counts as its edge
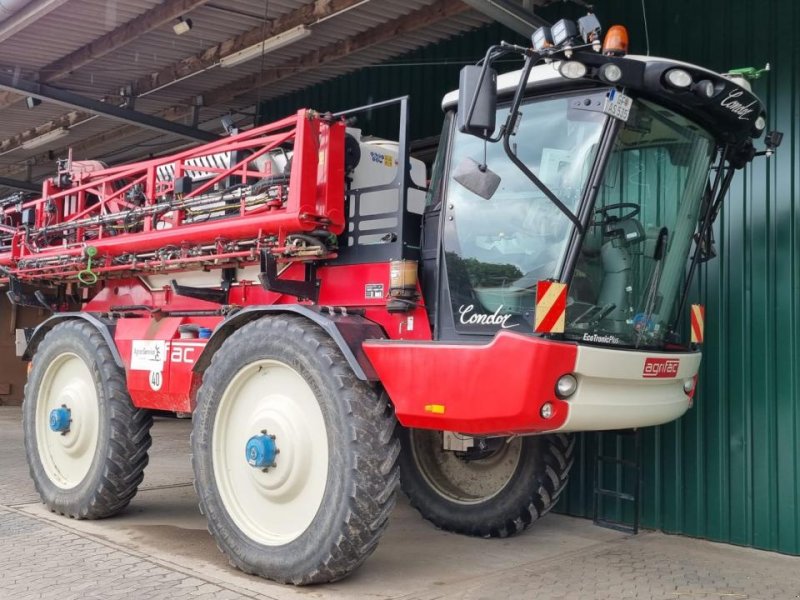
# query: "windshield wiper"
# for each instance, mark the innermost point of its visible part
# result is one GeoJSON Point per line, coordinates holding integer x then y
{"type": "Point", "coordinates": [604, 311]}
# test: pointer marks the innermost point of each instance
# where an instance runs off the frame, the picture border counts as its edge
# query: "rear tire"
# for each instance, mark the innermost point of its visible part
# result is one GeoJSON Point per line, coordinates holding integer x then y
{"type": "Point", "coordinates": [93, 469]}
{"type": "Point", "coordinates": [496, 496]}
{"type": "Point", "coordinates": [318, 511]}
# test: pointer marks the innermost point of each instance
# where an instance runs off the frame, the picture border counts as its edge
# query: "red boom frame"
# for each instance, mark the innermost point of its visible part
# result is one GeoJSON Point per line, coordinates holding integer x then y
{"type": "Point", "coordinates": [314, 199]}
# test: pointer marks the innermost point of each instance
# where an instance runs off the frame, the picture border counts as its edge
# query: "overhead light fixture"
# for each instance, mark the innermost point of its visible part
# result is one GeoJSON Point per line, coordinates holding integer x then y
{"type": "Point", "coordinates": [182, 26]}
{"type": "Point", "coordinates": [32, 102]}
{"type": "Point", "coordinates": [280, 40]}
{"type": "Point", "coordinates": [45, 138]}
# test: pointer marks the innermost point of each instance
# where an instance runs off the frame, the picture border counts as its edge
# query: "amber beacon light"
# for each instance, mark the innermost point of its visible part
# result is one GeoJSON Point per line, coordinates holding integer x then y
{"type": "Point", "coordinates": [616, 42]}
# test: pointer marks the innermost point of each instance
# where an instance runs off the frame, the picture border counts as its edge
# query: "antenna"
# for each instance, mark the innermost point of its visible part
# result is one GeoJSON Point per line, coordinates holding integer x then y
{"type": "Point", "coordinates": [646, 31]}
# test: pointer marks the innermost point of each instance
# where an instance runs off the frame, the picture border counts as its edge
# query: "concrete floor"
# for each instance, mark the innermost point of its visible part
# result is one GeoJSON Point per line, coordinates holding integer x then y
{"type": "Point", "coordinates": [159, 548]}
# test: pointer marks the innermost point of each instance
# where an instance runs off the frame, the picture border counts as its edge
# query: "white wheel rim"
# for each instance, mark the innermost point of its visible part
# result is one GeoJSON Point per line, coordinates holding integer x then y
{"type": "Point", "coordinates": [272, 507]}
{"type": "Point", "coordinates": [67, 457]}
{"type": "Point", "coordinates": [459, 480]}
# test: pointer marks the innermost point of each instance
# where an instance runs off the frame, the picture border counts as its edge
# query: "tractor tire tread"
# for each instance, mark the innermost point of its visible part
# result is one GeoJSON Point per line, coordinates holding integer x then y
{"type": "Point", "coordinates": [372, 495]}
{"type": "Point", "coordinates": [558, 458]}
{"type": "Point", "coordinates": [126, 454]}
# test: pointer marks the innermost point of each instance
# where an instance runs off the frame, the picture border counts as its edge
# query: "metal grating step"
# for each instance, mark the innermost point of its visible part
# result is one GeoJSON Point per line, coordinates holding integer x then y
{"type": "Point", "coordinates": [601, 492]}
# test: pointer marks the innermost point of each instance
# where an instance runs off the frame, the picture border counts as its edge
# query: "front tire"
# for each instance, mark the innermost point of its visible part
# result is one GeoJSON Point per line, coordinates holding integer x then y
{"type": "Point", "coordinates": [499, 494]}
{"type": "Point", "coordinates": [89, 461]}
{"type": "Point", "coordinates": [315, 511]}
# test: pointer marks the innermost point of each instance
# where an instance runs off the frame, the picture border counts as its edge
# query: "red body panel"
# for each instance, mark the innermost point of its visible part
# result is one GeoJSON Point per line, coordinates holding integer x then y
{"type": "Point", "coordinates": [171, 383]}
{"type": "Point", "coordinates": [341, 286]}
{"type": "Point", "coordinates": [498, 387]}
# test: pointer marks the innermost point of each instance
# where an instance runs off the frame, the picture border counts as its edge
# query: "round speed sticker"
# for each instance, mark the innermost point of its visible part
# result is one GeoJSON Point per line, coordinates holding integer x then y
{"type": "Point", "coordinates": [156, 380]}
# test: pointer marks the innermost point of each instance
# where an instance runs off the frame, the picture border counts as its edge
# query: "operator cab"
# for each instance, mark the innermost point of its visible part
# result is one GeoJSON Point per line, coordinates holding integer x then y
{"type": "Point", "coordinates": [585, 167]}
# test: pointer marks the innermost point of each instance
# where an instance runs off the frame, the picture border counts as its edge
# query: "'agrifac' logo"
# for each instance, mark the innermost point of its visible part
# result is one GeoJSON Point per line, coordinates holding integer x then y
{"type": "Point", "coordinates": [661, 367]}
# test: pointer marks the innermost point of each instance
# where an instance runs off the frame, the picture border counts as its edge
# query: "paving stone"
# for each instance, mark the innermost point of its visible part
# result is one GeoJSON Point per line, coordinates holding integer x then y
{"type": "Point", "coordinates": [40, 560]}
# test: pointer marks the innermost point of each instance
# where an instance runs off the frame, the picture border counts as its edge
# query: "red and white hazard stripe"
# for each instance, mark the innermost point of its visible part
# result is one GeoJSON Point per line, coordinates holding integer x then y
{"type": "Point", "coordinates": [698, 323]}
{"type": "Point", "coordinates": [551, 307]}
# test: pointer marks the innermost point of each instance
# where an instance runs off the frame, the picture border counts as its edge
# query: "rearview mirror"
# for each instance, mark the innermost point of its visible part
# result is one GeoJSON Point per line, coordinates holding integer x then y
{"type": "Point", "coordinates": [478, 179]}
{"type": "Point", "coordinates": [477, 101]}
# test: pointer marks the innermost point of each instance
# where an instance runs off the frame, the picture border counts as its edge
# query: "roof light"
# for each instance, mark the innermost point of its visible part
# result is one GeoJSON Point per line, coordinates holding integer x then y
{"type": "Point", "coordinates": [678, 78]}
{"type": "Point", "coordinates": [563, 30]}
{"type": "Point", "coordinates": [616, 42]}
{"type": "Point", "coordinates": [542, 38]}
{"type": "Point", "coordinates": [610, 72]}
{"type": "Point", "coordinates": [590, 29]}
{"type": "Point", "coordinates": [704, 88]}
{"type": "Point", "coordinates": [572, 69]}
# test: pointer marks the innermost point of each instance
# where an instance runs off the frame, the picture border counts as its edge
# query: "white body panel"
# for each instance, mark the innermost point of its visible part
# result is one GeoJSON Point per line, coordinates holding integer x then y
{"type": "Point", "coordinates": [613, 393]}
{"type": "Point", "coordinates": [378, 166]}
{"type": "Point", "coordinates": [198, 278]}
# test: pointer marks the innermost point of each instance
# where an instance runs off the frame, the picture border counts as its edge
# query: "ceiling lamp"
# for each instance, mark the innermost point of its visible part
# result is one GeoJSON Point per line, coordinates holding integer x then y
{"type": "Point", "coordinates": [182, 26]}
{"type": "Point", "coordinates": [280, 40]}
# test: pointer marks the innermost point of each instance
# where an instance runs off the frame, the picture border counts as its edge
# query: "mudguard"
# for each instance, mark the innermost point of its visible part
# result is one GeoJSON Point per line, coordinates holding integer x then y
{"type": "Point", "coordinates": [348, 330]}
{"type": "Point", "coordinates": [103, 325]}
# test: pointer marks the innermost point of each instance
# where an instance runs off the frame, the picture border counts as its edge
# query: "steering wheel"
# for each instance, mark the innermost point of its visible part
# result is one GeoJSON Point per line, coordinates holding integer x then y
{"type": "Point", "coordinates": [632, 208]}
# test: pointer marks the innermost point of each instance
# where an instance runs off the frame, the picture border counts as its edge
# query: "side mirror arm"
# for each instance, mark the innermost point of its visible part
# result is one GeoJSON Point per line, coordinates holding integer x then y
{"type": "Point", "coordinates": [508, 130]}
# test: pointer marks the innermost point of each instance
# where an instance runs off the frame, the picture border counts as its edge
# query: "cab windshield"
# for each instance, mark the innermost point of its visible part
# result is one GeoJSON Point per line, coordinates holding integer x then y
{"type": "Point", "coordinates": [631, 265]}
{"type": "Point", "coordinates": [631, 268]}
{"type": "Point", "coordinates": [497, 249]}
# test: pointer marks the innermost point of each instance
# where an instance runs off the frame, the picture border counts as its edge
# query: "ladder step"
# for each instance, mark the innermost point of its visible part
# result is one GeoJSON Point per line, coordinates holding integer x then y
{"type": "Point", "coordinates": [621, 461]}
{"type": "Point", "coordinates": [635, 468]}
{"type": "Point", "coordinates": [618, 526]}
{"type": "Point", "coordinates": [614, 494]}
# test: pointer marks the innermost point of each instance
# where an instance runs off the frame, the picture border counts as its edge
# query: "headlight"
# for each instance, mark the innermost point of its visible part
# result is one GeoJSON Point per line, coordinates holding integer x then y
{"type": "Point", "coordinates": [572, 69]}
{"type": "Point", "coordinates": [688, 385]}
{"type": "Point", "coordinates": [566, 386]}
{"type": "Point", "coordinates": [678, 78]}
{"type": "Point", "coordinates": [760, 123]}
{"type": "Point", "coordinates": [610, 72]}
{"type": "Point", "coordinates": [704, 88]}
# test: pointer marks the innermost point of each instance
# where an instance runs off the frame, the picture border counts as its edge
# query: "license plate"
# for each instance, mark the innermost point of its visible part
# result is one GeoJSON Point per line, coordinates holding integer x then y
{"type": "Point", "coordinates": [618, 105]}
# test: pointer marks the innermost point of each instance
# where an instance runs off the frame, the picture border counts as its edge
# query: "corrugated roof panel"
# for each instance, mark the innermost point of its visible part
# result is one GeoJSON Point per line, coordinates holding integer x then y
{"type": "Point", "coordinates": [160, 48]}
{"type": "Point", "coordinates": [67, 29]}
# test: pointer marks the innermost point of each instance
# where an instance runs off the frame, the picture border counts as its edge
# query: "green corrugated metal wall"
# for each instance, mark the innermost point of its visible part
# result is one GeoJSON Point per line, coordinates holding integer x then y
{"type": "Point", "coordinates": [730, 469]}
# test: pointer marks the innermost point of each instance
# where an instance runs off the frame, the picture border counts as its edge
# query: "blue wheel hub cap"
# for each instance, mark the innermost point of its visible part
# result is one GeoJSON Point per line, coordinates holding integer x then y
{"type": "Point", "coordinates": [261, 451]}
{"type": "Point", "coordinates": [60, 419]}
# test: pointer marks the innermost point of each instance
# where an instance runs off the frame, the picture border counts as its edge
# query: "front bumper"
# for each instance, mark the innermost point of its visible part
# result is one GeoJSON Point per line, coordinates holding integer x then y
{"type": "Point", "coordinates": [499, 388]}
